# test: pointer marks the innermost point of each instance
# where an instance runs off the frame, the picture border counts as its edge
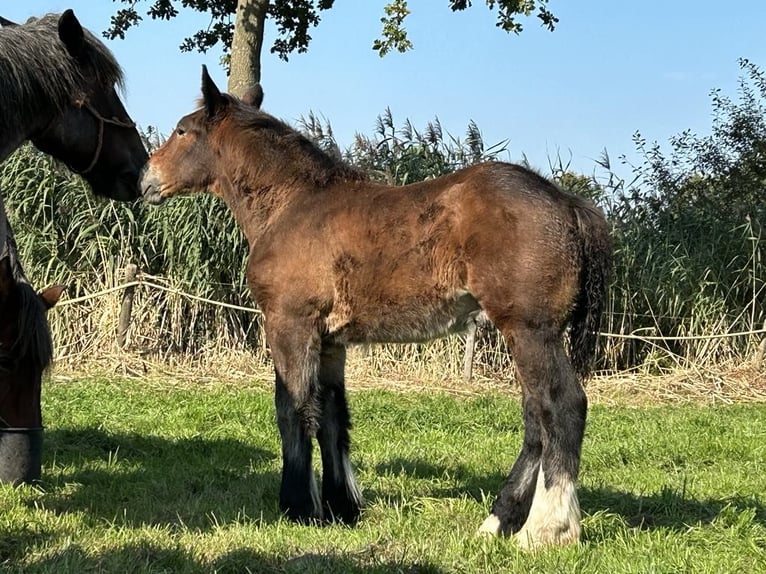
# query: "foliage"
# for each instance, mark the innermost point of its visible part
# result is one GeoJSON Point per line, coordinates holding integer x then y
{"type": "Point", "coordinates": [689, 235]}
{"type": "Point", "coordinates": [66, 235]}
{"type": "Point", "coordinates": [151, 476]}
{"type": "Point", "coordinates": [721, 175]}
{"type": "Point", "coordinates": [295, 18]}
{"type": "Point", "coordinates": [394, 35]}
{"type": "Point", "coordinates": [407, 155]}
{"type": "Point", "coordinates": [404, 155]}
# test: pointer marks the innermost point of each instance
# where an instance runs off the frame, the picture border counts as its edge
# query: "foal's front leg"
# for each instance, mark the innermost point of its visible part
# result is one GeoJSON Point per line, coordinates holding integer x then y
{"type": "Point", "coordinates": [340, 493]}
{"type": "Point", "coordinates": [295, 352]}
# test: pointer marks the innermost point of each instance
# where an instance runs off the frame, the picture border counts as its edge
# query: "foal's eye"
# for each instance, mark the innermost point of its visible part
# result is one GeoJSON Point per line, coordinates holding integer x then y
{"type": "Point", "coordinates": [180, 130]}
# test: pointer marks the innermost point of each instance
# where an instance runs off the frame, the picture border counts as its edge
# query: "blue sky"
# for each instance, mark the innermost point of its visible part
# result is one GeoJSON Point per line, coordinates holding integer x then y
{"type": "Point", "coordinates": [611, 68]}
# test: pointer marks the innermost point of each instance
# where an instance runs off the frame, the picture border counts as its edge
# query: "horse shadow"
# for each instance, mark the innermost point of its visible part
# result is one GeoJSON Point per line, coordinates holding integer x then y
{"type": "Point", "coordinates": [203, 482]}
{"type": "Point", "coordinates": [138, 479]}
{"type": "Point", "coordinates": [192, 482]}
{"type": "Point", "coordinates": [148, 557]}
{"type": "Point", "coordinates": [666, 509]}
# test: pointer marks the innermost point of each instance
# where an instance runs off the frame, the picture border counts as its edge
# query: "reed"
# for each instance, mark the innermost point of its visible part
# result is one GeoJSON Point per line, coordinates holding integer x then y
{"type": "Point", "coordinates": [688, 235]}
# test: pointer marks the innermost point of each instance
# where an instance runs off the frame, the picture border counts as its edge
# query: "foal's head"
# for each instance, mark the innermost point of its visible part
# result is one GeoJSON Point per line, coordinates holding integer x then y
{"type": "Point", "coordinates": [186, 162]}
{"type": "Point", "coordinates": [231, 144]}
{"type": "Point", "coordinates": [64, 81]}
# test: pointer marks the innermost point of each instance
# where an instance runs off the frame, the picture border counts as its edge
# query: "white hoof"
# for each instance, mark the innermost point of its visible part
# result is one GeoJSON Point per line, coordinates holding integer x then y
{"type": "Point", "coordinates": [530, 539]}
{"type": "Point", "coordinates": [490, 526]}
{"type": "Point", "coordinates": [554, 518]}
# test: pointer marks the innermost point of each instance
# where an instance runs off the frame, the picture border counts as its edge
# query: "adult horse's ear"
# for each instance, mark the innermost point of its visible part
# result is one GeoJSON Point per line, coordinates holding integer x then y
{"type": "Point", "coordinates": [254, 96]}
{"type": "Point", "coordinates": [6, 23]}
{"type": "Point", "coordinates": [212, 98]}
{"type": "Point", "coordinates": [70, 32]}
{"type": "Point", "coordinates": [51, 295]}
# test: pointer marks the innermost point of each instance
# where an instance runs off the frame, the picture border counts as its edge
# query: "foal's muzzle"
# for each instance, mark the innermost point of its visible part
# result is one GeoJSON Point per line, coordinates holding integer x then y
{"type": "Point", "coordinates": [149, 184]}
{"type": "Point", "coordinates": [21, 454]}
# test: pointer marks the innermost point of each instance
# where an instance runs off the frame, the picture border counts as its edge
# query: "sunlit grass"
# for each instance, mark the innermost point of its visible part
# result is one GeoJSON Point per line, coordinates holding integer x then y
{"type": "Point", "coordinates": [144, 477]}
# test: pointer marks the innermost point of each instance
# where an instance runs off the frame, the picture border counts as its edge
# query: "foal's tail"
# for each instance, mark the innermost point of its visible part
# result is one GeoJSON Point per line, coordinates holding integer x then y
{"type": "Point", "coordinates": [595, 246]}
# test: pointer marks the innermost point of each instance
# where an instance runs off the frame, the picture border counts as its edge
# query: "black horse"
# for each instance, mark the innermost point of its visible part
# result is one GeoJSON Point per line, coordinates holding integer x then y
{"type": "Point", "coordinates": [58, 90]}
{"type": "Point", "coordinates": [25, 352]}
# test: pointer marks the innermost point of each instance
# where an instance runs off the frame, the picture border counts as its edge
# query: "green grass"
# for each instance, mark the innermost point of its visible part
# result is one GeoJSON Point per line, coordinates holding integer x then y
{"type": "Point", "coordinates": [145, 476]}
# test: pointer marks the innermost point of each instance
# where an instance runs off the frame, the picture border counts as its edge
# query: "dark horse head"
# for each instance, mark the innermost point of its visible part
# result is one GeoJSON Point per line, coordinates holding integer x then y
{"type": "Point", "coordinates": [58, 89]}
{"type": "Point", "coordinates": [25, 352]}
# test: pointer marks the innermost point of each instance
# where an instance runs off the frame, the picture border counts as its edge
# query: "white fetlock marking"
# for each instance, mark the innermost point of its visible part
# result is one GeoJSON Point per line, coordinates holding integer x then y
{"type": "Point", "coordinates": [352, 488]}
{"type": "Point", "coordinates": [554, 517]}
{"type": "Point", "coordinates": [315, 498]}
{"type": "Point", "coordinates": [490, 526]}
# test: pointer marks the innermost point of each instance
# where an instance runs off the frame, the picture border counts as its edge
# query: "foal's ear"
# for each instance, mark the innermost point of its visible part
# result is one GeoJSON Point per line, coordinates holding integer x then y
{"type": "Point", "coordinates": [212, 98]}
{"type": "Point", "coordinates": [51, 295]}
{"type": "Point", "coordinates": [70, 32]}
{"type": "Point", "coordinates": [254, 96]}
{"type": "Point", "coordinates": [6, 23]}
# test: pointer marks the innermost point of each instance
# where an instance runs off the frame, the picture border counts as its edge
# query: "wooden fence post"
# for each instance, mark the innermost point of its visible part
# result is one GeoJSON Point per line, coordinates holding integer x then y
{"type": "Point", "coordinates": [470, 345]}
{"type": "Point", "coordinates": [761, 351]}
{"type": "Point", "coordinates": [126, 310]}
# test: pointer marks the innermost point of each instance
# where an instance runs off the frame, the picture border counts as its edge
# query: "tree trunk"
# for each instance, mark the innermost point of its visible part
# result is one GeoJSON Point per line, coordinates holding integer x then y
{"type": "Point", "coordinates": [470, 346]}
{"type": "Point", "coordinates": [126, 310]}
{"type": "Point", "coordinates": [245, 64]}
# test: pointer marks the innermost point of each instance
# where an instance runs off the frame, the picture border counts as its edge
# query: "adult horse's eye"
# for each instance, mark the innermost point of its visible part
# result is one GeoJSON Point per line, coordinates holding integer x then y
{"type": "Point", "coordinates": [180, 130]}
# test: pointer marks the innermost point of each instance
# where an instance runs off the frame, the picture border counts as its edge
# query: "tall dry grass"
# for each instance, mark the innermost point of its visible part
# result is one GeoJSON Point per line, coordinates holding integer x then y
{"type": "Point", "coordinates": [688, 271]}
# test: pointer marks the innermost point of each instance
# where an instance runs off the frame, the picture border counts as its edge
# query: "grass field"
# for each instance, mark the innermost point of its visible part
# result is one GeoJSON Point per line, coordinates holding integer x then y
{"type": "Point", "coordinates": [157, 476]}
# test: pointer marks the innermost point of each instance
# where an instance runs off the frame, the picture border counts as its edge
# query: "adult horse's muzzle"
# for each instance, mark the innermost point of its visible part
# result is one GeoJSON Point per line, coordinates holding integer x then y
{"type": "Point", "coordinates": [120, 187]}
{"type": "Point", "coordinates": [149, 184]}
{"type": "Point", "coordinates": [21, 454]}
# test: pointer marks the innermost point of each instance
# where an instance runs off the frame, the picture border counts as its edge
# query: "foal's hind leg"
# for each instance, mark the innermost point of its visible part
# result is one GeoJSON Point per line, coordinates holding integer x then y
{"type": "Point", "coordinates": [561, 405]}
{"type": "Point", "coordinates": [555, 408]}
{"type": "Point", "coordinates": [340, 493]}
{"type": "Point", "coordinates": [295, 352]}
{"type": "Point", "coordinates": [511, 508]}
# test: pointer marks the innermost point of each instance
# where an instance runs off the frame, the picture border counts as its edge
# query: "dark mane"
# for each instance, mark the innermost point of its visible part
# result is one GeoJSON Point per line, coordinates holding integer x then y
{"type": "Point", "coordinates": [34, 338]}
{"type": "Point", "coordinates": [306, 158]}
{"type": "Point", "coordinates": [36, 70]}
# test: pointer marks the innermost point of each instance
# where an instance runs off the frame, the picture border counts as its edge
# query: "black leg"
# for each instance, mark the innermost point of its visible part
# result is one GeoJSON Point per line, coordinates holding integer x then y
{"type": "Point", "coordinates": [511, 507]}
{"type": "Point", "coordinates": [539, 501]}
{"type": "Point", "coordinates": [295, 352]}
{"type": "Point", "coordinates": [558, 399]}
{"type": "Point", "coordinates": [341, 497]}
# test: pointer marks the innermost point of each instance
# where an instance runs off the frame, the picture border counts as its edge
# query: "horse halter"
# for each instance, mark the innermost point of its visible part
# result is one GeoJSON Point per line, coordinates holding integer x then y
{"type": "Point", "coordinates": [101, 122]}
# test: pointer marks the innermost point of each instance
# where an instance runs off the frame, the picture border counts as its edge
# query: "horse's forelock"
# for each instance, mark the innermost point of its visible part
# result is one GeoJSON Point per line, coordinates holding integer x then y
{"type": "Point", "coordinates": [108, 70]}
{"type": "Point", "coordinates": [35, 67]}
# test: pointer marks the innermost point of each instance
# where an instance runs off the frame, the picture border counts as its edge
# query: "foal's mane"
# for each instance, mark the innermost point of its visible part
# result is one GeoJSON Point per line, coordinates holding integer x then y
{"type": "Point", "coordinates": [36, 71]}
{"type": "Point", "coordinates": [284, 146]}
{"type": "Point", "coordinates": [34, 337]}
